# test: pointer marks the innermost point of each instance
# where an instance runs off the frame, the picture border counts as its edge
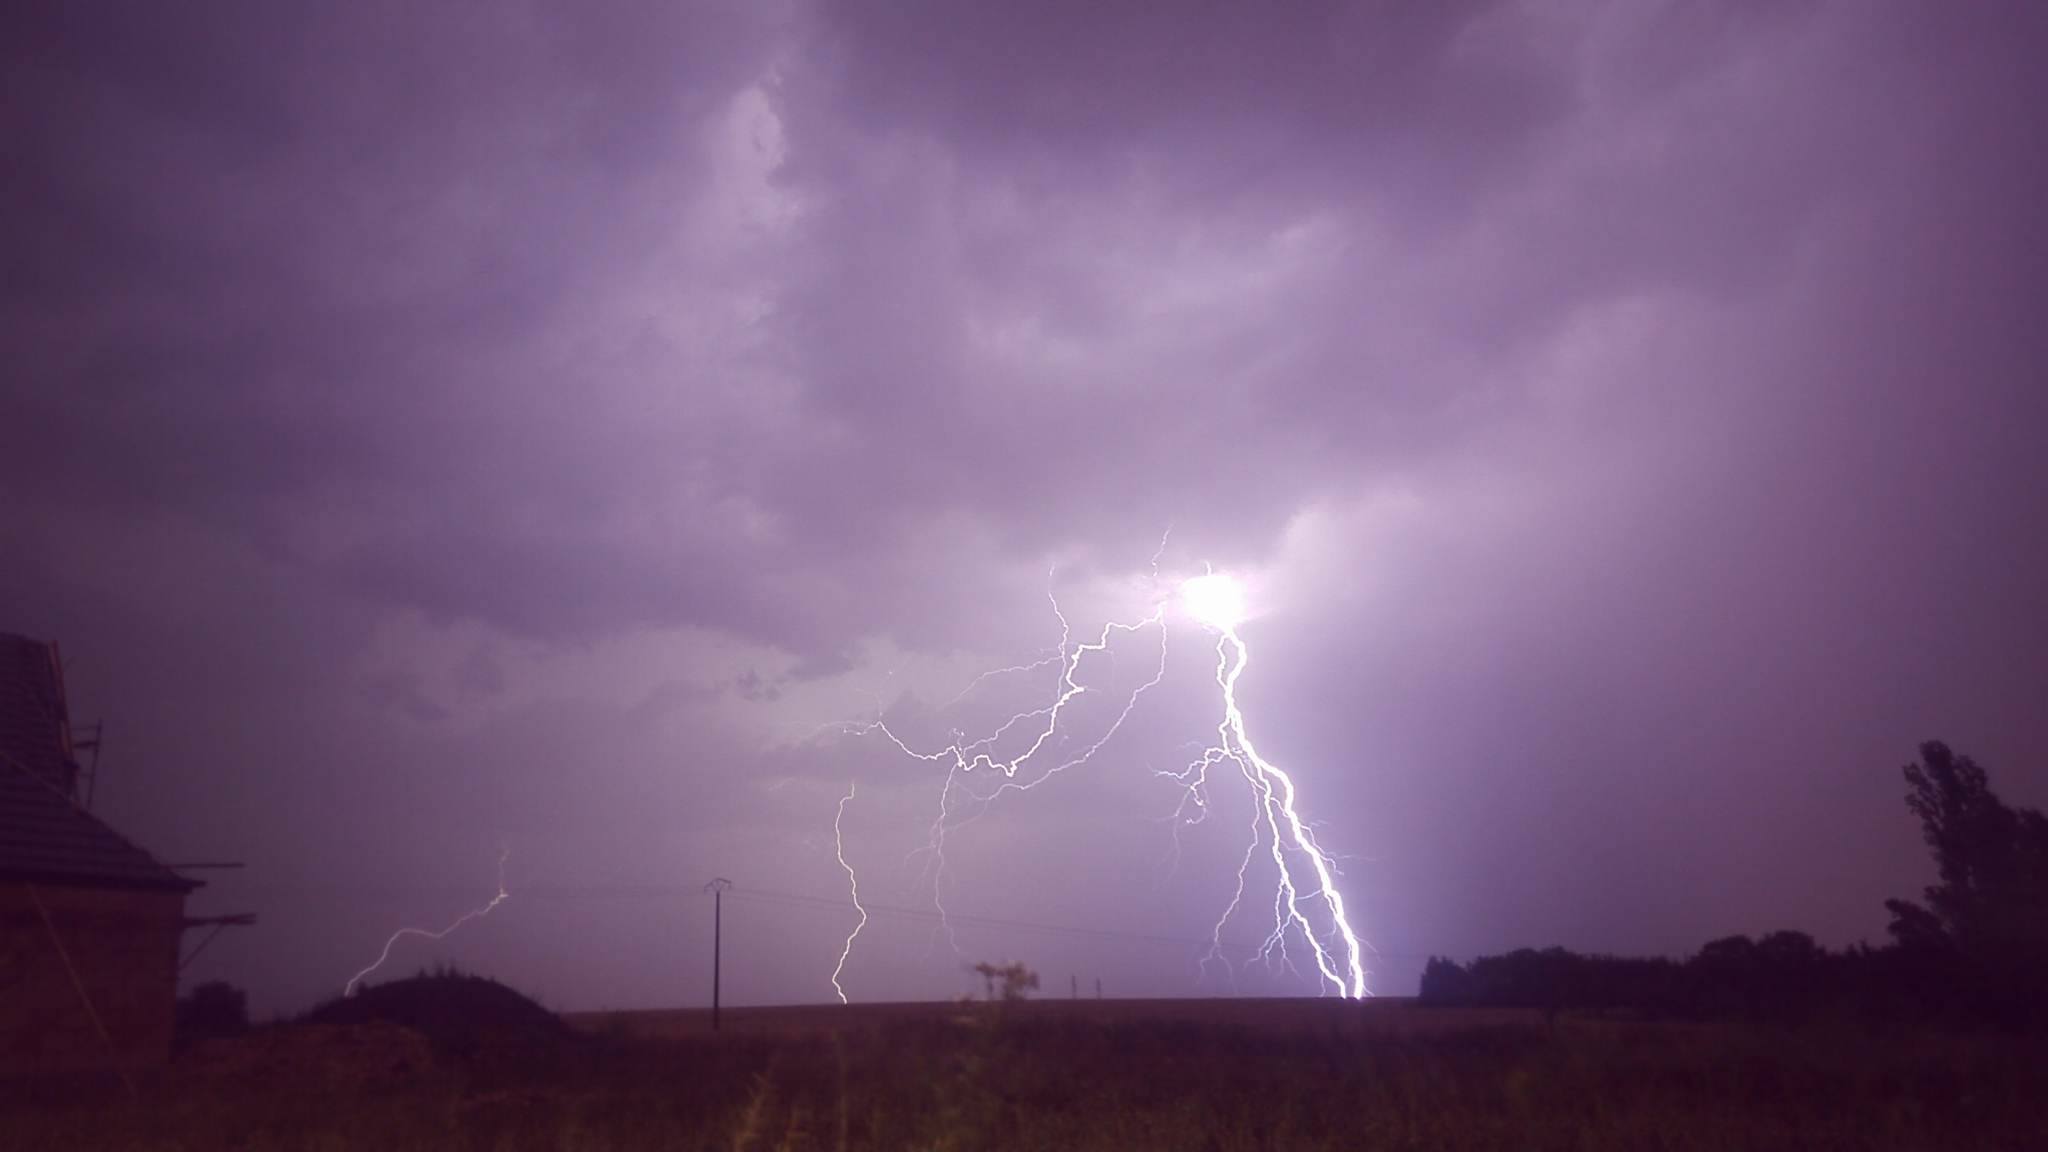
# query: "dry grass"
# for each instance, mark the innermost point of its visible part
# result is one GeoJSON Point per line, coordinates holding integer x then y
{"type": "Point", "coordinates": [1333, 1077]}
{"type": "Point", "coordinates": [1289, 1016]}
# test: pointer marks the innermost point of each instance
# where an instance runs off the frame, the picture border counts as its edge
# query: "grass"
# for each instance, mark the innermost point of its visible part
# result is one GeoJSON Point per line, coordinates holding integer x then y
{"type": "Point", "coordinates": [1036, 1081]}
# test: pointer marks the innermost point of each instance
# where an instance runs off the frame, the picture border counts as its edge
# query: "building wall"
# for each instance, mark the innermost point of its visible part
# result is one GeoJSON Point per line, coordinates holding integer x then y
{"type": "Point", "coordinates": [123, 944]}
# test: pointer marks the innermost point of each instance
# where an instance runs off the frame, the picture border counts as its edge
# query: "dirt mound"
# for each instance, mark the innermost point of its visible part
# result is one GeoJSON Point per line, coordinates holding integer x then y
{"type": "Point", "coordinates": [456, 1011]}
{"type": "Point", "coordinates": [340, 1058]}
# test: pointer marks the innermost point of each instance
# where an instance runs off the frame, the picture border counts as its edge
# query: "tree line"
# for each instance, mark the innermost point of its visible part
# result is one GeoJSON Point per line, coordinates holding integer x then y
{"type": "Point", "coordinates": [1974, 952]}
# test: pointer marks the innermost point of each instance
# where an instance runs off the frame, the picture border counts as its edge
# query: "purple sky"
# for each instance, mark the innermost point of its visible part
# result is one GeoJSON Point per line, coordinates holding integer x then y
{"type": "Point", "coordinates": [429, 431]}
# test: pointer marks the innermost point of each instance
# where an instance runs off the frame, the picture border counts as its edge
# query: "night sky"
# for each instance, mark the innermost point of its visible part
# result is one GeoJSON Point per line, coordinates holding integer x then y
{"type": "Point", "coordinates": [435, 430]}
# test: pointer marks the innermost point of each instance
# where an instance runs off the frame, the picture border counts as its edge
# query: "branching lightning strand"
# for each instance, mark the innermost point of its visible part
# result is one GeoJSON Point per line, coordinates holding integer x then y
{"type": "Point", "coordinates": [1276, 820]}
{"type": "Point", "coordinates": [473, 914]}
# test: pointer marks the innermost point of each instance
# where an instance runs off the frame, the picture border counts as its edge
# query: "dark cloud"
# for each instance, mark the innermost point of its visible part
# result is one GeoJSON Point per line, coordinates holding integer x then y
{"type": "Point", "coordinates": [433, 429]}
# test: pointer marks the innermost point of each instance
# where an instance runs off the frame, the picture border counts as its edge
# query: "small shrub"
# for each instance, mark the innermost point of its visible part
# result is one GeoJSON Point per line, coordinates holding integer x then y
{"type": "Point", "coordinates": [1015, 981]}
{"type": "Point", "coordinates": [459, 1012]}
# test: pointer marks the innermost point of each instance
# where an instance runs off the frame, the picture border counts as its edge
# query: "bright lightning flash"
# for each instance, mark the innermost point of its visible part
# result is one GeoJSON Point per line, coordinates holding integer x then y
{"type": "Point", "coordinates": [466, 917]}
{"type": "Point", "coordinates": [1216, 602]}
{"type": "Point", "coordinates": [1214, 599]}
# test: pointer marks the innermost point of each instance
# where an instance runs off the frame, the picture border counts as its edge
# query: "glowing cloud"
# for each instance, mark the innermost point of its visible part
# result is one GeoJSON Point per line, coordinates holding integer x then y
{"type": "Point", "coordinates": [1215, 600]}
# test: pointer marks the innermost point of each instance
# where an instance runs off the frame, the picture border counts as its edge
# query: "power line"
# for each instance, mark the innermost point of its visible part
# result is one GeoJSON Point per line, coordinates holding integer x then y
{"type": "Point", "coordinates": [648, 890]}
{"type": "Point", "coordinates": [792, 899]}
{"type": "Point", "coordinates": [770, 896]}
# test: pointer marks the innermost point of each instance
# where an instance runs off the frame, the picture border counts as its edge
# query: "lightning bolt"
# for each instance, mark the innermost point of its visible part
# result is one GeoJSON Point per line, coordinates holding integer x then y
{"type": "Point", "coordinates": [1274, 794]}
{"type": "Point", "coordinates": [963, 757]}
{"type": "Point", "coordinates": [1277, 824]}
{"type": "Point", "coordinates": [992, 673]}
{"type": "Point", "coordinates": [853, 883]}
{"type": "Point", "coordinates": [466, 917]}
{"type": "Point", "coordinates": [970, 756]}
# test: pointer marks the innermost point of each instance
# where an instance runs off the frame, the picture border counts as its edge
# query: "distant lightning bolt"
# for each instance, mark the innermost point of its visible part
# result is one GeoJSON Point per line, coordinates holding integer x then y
{"type": "Point", "coordinates": [466, 917]}
{"type": "Point", "coordinates": [853, 883]}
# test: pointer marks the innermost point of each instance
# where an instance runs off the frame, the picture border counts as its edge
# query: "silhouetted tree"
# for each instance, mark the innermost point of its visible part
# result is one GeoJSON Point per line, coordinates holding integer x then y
{"type": "Point", "coordinates": [1011, 981]}
{"type": "Point", "coordinates": [1733, 952]}
{"type": "Point", "coordinates": [1977, 951]}
{"type": "Point", "coordinates": [1445, 981]}
{"type": "Point", "coordinates": [1987, 918]}
{"type": "Point", "coordinates": [1915, 928]}
{"type": "Point", "coordinates": [1993, 860]}
{"type": "Point", "coordinates": [1786, 949]}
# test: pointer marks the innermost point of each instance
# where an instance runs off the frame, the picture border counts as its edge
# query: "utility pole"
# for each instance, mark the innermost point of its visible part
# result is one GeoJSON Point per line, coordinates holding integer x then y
{"type": "Point", "coordinates": [1098, 987]}
{"type": "Point", "coordinates": [1073, 986]}
{"type": "Point", "coordinates": [717, 889]}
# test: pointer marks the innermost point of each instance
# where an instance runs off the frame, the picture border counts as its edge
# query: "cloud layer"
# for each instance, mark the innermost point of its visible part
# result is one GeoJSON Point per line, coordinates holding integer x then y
{"type": "Point", "coordinates": [429, 430]}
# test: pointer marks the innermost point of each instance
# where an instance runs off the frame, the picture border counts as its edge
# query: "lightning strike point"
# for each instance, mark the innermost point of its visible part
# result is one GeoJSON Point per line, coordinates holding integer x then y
{"type": "Point", "coordinates": [1214, 599]}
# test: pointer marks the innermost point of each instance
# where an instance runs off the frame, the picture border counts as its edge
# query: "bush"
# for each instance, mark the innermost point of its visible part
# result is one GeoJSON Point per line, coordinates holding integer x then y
{"type": "Point", "coordinates": [1010, 982]}
{"type": "Point", "coordinates": [459, 1012]}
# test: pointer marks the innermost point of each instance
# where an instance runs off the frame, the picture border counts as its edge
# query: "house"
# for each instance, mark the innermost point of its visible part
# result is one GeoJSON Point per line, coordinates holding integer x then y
{"type": "Point", "coordinates": [90, 924]}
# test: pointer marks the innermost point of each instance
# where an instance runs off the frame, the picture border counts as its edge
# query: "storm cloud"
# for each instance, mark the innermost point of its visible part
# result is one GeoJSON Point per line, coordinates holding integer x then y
{"type": "Point", "coordinates": [430, 431]}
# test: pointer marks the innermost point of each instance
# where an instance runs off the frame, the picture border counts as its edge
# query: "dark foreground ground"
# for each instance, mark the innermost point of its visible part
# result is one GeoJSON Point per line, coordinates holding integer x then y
{"type": "Point", "coordinates": [1292, 1016]}
{"type": "Point", "coordinates": [1221, 1075]}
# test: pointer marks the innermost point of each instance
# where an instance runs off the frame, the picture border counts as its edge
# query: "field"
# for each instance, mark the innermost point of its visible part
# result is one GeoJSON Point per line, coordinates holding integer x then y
{"type": "Point", "coordinates": [1127, 1075]}
{"type": "Point", "coordinates": [1292, 1016]}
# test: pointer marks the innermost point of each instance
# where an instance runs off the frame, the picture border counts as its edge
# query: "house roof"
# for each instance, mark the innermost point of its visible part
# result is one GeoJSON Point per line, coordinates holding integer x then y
{"type": "Point", "coordinates": [45, 835]}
